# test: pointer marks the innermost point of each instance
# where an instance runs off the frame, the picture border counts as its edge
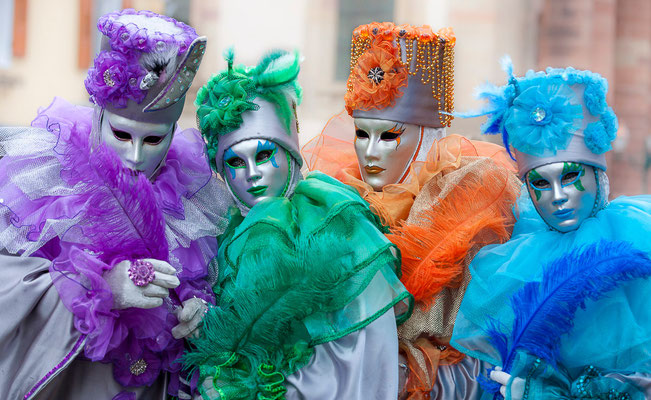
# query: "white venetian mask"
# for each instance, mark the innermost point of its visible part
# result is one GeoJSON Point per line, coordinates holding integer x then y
{"type": "Point", "coordinates": [256, 169]}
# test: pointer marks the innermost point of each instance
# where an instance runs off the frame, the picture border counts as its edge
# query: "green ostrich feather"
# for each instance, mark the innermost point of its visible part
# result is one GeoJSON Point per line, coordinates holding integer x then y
{"type": "Point", "coordinates": [221, 102]}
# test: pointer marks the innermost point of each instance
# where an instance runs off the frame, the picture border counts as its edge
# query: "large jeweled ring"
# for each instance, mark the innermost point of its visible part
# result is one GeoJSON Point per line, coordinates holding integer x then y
{"type": "Point", "coordinates": [141, 272]}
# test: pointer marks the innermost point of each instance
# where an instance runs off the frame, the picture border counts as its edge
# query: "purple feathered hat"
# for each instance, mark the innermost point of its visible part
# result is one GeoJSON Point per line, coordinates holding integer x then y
{"type": "Point", "coordinates": [145, 65]}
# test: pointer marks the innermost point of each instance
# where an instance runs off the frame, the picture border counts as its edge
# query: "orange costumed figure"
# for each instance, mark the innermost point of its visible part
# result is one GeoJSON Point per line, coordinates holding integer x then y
{"type": "Point", "coordinates": [443, 197]}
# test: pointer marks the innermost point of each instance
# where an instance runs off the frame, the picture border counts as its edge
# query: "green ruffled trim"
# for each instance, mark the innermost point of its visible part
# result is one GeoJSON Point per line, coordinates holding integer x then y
{"type": "Point", "coordinates": [286, 272]}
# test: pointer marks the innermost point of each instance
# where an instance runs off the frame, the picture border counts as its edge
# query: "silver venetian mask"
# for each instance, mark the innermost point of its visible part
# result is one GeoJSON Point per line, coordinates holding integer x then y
{"type": "Point", "coordinates": [142, 146]}
{"type": "Point", "coordinates": [385, 150]}
{"type": "Point", "coordinates": [564, 193]}
{"type": "Point", "coordinates": [256, 169]}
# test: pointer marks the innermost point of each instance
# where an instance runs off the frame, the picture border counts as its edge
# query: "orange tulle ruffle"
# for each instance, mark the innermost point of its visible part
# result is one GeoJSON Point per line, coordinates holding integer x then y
{"type": "Point", "coordinates": [474, 212]}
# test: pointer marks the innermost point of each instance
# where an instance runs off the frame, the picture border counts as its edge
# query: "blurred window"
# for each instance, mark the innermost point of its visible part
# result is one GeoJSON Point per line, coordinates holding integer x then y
{"type": "Point", "coordinates": [353, 13]}
{"type": "Point", "coordinates": [179, 10]}
{"type": "Point", "coordinates": [6, 32]}
{"type": "Point", "coordinates": [101, 7]}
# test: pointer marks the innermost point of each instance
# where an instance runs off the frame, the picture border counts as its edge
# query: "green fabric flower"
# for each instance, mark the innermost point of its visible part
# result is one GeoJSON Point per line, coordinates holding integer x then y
{"type": "Point", "coordinates": [221, 102]}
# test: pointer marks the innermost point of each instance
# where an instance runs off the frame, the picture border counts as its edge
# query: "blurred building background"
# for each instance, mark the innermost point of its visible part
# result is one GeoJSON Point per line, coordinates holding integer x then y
{"type": "Point", "coordinates": [47, 46]}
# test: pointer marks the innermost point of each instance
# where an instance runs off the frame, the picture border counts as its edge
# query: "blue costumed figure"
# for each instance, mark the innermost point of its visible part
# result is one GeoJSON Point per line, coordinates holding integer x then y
{"type": "Point", "coordinates": [561, 310]}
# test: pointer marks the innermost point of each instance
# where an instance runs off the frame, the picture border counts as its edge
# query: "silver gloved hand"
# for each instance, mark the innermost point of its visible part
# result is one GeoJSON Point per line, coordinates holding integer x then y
{"type": "Point", "coordinates": [189, 316]}
{"type": "Point", "coordinates": [127, 294]}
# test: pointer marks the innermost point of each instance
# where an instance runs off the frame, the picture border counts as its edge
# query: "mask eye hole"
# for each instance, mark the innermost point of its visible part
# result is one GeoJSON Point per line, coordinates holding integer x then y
{"type": "Point", "coordinates": [153, 140]}
{"type": "Point", "coordinates": [263, 156]}
{"type": "Point", "coordinates": [361, 134]}
{"type": "Point", "coordinates": [541, 184]}
{"type": "Point", "coordinates": [570, 178]}
{"type": "Point", "coordinates": [236, 162]}
{"type": "Point", "coordinates": [121, 135]}
{"type": "Point", "coordinates": [389, 135]}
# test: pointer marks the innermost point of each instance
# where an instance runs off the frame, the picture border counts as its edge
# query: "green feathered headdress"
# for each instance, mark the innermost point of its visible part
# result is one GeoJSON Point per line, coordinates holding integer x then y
{"type": "Point", "coordinates": [221, 102]}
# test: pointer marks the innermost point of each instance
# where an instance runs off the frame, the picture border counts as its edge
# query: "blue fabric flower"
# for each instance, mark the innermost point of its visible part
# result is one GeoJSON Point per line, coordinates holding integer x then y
{"type": "Point", "coordinates": [542, 119]}
{"type": "Point", "coordinates": [595, 96]}
{"type": "Point", "coordinates": [609, 120]}
{"type": "Point", "coordinates": [596, 138]}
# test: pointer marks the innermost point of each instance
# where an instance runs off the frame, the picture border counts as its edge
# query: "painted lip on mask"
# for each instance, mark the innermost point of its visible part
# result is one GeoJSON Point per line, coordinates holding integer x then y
{"type": "Point", "coordinates": [565, 213]}
{"type": "Point", "coordinates": [257, 191]}
{"type": "Point", "coordinates": [373, 169]}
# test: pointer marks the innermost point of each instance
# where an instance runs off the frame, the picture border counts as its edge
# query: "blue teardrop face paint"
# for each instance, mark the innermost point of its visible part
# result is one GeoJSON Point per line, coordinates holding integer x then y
{"type": "Point", "coordinates": [564, 193]}
{"type": "Point", "coordinates": [256, 170]}
{"type": "Point", "coordinates": [235, 162]}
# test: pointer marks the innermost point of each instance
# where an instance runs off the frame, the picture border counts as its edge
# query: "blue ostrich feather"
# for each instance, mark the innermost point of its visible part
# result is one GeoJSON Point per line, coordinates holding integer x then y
{"type": "Point", "coordinates": [545, 310]}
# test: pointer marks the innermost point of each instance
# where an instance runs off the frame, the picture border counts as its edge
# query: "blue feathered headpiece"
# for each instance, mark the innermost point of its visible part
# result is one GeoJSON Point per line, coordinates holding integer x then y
{"type": "Point", "coordinates": [539, 114]}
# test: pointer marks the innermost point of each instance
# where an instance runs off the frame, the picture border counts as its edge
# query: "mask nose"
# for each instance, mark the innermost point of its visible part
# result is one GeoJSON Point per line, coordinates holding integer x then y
{"type": "Point", "coordinates": [135, 156]}
{"type": "Point", "coordinates": [253, 174]}
{"type": "Point", "coordinates": [371, 153]}
{"type": "Point", "coordinates": [559, 197]}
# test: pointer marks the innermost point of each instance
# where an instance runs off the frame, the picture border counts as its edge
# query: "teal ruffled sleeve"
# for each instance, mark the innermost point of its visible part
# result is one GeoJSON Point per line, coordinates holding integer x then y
{"type": "Point", "coordinates": [294, 273]}
{"type": "Point", "coordinates": [613, 335]}
{"type": "Point", "coordinates": [542, 381]}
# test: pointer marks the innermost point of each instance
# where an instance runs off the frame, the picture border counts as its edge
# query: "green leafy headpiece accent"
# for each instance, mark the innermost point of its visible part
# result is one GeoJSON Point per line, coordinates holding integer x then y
{"type": "Point", "coordinates": [221, 102]}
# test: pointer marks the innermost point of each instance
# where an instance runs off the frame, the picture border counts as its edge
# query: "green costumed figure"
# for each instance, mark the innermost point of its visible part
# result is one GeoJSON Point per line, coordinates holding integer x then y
{"type": "Point", "coordinates": [307, 281]}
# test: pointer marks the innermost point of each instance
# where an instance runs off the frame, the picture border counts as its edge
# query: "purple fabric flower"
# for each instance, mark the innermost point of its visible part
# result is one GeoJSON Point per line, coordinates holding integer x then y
{"type": "Point", "coordinates": [128, 37]}
{"type": "Point", "coordinates": [137, 366]}
{"type": "Point", "coordinates": [121, 41]}
{"type": "Point", "coordinates": [114, 79]}
{"type": "Point", "coordinates": [139, 40]}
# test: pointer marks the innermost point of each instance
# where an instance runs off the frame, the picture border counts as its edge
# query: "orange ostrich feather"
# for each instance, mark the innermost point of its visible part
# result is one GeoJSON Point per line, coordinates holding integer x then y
{"type": "Point", "coordinates": [475, 213]}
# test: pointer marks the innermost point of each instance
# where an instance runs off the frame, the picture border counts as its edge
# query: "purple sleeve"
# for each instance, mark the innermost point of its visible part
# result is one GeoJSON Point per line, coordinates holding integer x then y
{"type": "Point", "coordinates": [118, 336]}
{"type": "Point", "coordinates": [77, 276]}
{"type": "Point", "coordinates": [194, 263]}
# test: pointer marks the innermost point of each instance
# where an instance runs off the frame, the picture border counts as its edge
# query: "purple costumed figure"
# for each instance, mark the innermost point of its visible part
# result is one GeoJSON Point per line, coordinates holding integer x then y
{"type": "Point", "coordinates": [108, 221]}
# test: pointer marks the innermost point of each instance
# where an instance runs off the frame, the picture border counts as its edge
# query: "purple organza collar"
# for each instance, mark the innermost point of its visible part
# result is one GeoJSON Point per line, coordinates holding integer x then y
{"type": "Point", "coordinates": [186, 171]}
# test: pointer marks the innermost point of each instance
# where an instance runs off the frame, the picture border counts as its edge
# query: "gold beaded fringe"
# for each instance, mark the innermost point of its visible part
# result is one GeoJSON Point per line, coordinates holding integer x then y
{"type": "Point", "coordinates": [428, 60]}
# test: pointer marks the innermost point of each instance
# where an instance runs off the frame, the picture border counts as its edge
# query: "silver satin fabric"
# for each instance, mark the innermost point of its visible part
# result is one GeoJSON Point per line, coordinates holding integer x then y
{"type": "Point", "coordinates": [459, 381]}
{"type": "Point", "coordinates": [37, 334]}
{"type": "Point", "coordinates": [362, 365]}
{"type": "Point", "coordinates": [85, 379]}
